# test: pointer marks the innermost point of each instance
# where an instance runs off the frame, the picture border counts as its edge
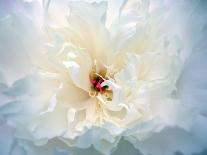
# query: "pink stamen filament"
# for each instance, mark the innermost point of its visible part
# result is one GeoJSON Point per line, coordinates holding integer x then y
{"type": "Point", "coordinates": [97, 85]}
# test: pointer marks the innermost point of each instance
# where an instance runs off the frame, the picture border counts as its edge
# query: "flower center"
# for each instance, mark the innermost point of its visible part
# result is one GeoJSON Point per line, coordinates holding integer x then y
{"type": "Point", "coordinates": [96, 79]}
{"type": "Point", "coordinates": [96, 84]}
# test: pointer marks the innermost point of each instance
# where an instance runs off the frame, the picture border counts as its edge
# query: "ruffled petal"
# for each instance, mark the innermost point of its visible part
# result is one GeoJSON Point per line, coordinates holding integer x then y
{"type": "Point", "coordinates": [79, 70]}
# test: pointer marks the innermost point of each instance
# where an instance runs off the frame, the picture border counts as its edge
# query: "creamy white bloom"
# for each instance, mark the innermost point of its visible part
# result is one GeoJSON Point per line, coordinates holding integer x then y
{"type": "Point", "coordinates": [94, 72]}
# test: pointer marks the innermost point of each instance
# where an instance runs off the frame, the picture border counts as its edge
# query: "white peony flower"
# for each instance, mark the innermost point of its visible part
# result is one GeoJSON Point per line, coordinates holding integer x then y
{"type": "Point", "coordinates": [87, 73]}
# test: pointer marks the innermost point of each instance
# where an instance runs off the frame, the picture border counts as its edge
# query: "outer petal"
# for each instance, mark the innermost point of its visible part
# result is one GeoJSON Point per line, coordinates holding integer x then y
{"type": "Point", "coordinates": [12, 49]}
{"type": "Point", "coordinates": [6, 139]}
{"type": "Point", "coordinates": [168, 142]}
